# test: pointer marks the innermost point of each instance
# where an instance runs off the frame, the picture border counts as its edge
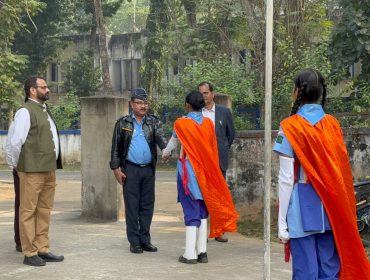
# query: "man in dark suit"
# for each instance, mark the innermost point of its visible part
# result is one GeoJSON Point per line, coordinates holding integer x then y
{"type": "Point", "coordinates": [224, 125]}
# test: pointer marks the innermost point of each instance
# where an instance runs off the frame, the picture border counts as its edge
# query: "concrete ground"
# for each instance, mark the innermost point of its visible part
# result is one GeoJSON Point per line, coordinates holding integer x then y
{"type": "Point", "coordinates": [99, 250]}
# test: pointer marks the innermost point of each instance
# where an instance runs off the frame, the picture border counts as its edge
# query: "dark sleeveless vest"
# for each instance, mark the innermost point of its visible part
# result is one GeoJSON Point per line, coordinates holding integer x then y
{"type": "Point", "coordinates": [38, 152]}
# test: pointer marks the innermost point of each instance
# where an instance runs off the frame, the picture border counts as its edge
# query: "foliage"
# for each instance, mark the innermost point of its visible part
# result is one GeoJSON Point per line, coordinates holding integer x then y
{"type": "Point", "coordinates": [362, 103]}
{"type": "Point", "coordinates": [211, 31]}
{"type": "Point", "coordinates": [10, 65]}
{"type": "Point", "coordinates": [44, 37]}
{"type": "Point", "coordinates": [67, 112]}
{"type": "Point", "coordinates": [352, 111]}
{"type": "Point", "coordinates": [38, 40]}
{"type": "Point", "coordinates": [350, 42]}
{"type": "Point", "coordinates": [228, 78]}
{"type": "Point", "coordinates": [81, 76]}
{"type": "Point", "coordinates": [314, 56]}
{"type": "Point", "coordinates": [12, 19]}
{"type": "Point", "coordinates": [156, 24]}
{"type": "Point", "coordinates": [130, 17]}
{"type": "Point", "coordinates": [81, 19]}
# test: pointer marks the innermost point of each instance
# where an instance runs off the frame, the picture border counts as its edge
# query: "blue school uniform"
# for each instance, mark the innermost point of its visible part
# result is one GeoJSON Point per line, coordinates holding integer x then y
{"type": "Point", "coordinates": [193, 204]}
{"type": "Point", "coordinates": [312, 243]}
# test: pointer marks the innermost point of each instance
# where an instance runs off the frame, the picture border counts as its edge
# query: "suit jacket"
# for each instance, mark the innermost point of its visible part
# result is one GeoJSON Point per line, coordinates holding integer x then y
{"type": "Point", "coordinates": [225, 133]}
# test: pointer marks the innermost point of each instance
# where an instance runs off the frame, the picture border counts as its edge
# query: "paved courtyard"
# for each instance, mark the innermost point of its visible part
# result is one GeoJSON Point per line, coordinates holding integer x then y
{"type": "Point", "coordinates": [99, 250]}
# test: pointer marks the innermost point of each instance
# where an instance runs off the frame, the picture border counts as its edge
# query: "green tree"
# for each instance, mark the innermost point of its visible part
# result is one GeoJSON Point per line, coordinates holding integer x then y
{"type": "Point", "coordinates": [305, 56]}
{"type": "Point", "coordinates": [14, 16]}
{"type": "Point", "coordinates": [156, 24]}
{"type": "Point", "coordinates": [83, 19]}
{"type": "Point", "coordinates": [228, 78]}
{"type": "Point", "coordinates": [39, 41]}
{"type": "Point", "coordinates": [81, 76]}
{"type": "Point", "coordinates": [350, 42]}
{"type": "Point", "coordinates": [67, 112]}
{"type": "Point", "coordinates": [130, 17]}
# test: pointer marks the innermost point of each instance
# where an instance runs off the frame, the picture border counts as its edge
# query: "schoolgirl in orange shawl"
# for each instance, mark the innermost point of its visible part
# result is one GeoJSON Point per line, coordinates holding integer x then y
{"type": "Point", "coordinates": [201, 186]}
{"type": "Point", "coordinates": [317, 209]}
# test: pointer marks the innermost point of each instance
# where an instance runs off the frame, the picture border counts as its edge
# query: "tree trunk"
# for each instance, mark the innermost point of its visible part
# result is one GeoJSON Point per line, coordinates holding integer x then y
{"type": "Point", "coordinates": [157, 21]}
{"type": "Point", "coordinates": [103, 50]}
{"type": "Point", "coordinates": [255, 14]}
{"type": "Point", "coordinates": [190, 7]}
{"type": "Point", "coordinates": [294, 18]}
{"type": "Point", "coordinates": [93, 36]}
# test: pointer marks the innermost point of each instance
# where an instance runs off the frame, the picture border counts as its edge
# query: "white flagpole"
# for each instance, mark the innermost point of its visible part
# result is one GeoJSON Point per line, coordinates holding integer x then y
{"type": "Point", "coordinates": [267, 159]}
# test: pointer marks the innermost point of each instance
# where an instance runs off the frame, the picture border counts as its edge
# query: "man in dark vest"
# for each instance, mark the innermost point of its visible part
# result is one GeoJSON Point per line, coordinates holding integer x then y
{"type": "Point", "coordinates": [224, 126]}
{"type": "Point", "coordinates": [34, 152]}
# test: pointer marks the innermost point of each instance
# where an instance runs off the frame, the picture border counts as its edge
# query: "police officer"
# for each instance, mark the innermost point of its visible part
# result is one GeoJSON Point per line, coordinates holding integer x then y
{"type": "Point", "coordinates": [133, 160]}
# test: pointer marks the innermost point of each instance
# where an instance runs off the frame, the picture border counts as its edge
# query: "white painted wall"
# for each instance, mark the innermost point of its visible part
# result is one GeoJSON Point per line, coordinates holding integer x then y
{"type": "Point", "coordinates": [70, 142]}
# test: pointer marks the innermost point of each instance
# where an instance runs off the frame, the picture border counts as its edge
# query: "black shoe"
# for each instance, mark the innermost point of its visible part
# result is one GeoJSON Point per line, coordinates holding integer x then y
{"type": "Point", "coordinates": [184, 260]}
{"type": "Point", "coordinates": [18, 248]}
{"type": "Point", "coordinates": [149, 247]}
{"type": "Point", "coordinates": [202, 258]}
{"type": "Point", "coordinates": [50, 257]}
{"type": "Point", "coordinates": [136, 249]}
{"type": "Point", "coordinates": [221, 238]}
{"type": "Point", "coordinates": [34, 261]}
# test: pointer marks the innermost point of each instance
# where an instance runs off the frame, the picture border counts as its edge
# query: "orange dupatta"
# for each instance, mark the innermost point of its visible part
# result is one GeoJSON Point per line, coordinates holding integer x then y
{"type": "Point", "coordinates": [200, 145]}
{"type": "Point", "coordinates": [322, 153]}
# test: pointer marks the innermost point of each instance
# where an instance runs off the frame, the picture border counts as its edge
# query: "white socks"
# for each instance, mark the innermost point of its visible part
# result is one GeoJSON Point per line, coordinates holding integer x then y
{"type": "Point", "coordinates": [202, 237]}
{"type": "Point", "coordinates": [190, 243]}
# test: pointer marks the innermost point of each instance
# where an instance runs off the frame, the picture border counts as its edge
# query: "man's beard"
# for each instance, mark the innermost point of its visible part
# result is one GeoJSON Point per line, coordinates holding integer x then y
{"type": "Point", "coordinates": [43, 97]}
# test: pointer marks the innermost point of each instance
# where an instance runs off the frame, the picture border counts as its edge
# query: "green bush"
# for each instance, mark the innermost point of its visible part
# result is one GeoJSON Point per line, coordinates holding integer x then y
{"type": "Point", "coordinates": [67, 112]}
{"type": "Point", "coordinates": [81, 76]}
{"type": "Point", "coordinates": [228, 78]}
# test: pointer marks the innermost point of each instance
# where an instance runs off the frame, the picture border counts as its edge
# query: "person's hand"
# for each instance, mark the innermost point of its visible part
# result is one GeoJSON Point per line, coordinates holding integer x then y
{"type": "Point", "coordinates": [120, 176]}
{"type": "Point", "coordinates": [165, 155]}
{"type": "Point", "coordinates": [165, 158]}
{"type": "Point", "coordinates": [283, 233]}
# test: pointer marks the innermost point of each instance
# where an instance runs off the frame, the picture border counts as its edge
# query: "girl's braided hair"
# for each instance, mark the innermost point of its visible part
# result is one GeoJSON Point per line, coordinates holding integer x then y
{"type": "Point", "coordinates": [311, 86]}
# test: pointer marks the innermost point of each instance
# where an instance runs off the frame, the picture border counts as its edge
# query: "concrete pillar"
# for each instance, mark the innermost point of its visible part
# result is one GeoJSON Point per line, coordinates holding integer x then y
{"type": "Point", "coordinates": [223, 99]}
{"type": "Point", "coordinates": [101, 194]}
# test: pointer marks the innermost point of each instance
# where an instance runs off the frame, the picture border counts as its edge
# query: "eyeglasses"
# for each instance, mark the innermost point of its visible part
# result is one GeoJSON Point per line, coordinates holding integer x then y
{"type": "Point", "coordinates": [140, 103]}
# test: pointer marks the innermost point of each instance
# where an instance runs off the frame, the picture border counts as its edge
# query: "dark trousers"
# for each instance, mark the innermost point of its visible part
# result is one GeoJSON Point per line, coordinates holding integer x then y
{"type": "Point", "coordinates": [17, 239]}
{"type": "Point", "coordinates": [139, 197]}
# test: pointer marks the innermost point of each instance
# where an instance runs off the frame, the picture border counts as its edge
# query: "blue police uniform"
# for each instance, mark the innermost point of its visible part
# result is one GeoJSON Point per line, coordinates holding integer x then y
{"type": "Point", "coordinates": [134, 150]}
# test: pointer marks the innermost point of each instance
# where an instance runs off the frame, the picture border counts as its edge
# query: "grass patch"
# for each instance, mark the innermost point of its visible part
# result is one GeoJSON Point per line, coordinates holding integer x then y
{"type": "Point", "coordinates": [166, 166]}
{"type": "Point", "coordinates": [255, 229]}
{"type": "Point", "coordinates": [71, 167]}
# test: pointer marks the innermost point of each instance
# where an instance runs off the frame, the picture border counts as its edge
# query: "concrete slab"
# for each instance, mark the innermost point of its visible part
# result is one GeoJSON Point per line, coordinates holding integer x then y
{"type": "Point", "coordinates": [99, 250]}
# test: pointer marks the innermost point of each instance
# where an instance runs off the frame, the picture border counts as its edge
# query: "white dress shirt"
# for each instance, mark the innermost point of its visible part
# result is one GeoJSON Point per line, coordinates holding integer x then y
{"type": "Point", "coordinates": [18, 132]}
{"type": "Point", "coordinates": [210, 113]}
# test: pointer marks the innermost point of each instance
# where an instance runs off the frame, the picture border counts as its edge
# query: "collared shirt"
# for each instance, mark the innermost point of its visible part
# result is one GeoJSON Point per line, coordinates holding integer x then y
{"type": "Point", "coordinates": [313, 113]}
{"type": "Point", "coordinates": [139, 151]}
{"type": "Point", "coordinates": [195, 116]}
{"type": "Point", "coordinates": [210, 113]}
{"type": "Point", "coordinates": [18, 132]}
